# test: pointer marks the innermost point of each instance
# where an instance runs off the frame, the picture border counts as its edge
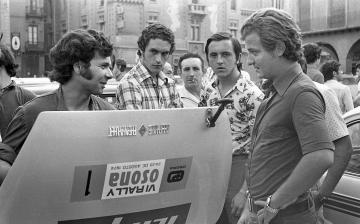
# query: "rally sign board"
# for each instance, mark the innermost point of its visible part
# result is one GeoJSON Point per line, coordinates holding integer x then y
{"type": "Point", "coordinates": [117, 167]}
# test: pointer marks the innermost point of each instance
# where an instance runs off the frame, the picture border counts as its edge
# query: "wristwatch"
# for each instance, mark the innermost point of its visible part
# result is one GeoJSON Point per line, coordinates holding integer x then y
{"type": "Point", "coordinates": [270, 209]}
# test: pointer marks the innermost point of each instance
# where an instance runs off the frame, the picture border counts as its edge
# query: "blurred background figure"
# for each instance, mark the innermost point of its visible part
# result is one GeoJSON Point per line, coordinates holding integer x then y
{"type": "Point", "coordinates": [119, 69]}
{"type": "Point", "coordinates": [168, 70]}
{"type": "Point", "coordinates": [330, 70]}
{"type": "Point", "coordinates": [312, 54]}
{"type": "Point", "coordinates": [192, 71]}
{"type": "Point", "coordinates": [11, 95]}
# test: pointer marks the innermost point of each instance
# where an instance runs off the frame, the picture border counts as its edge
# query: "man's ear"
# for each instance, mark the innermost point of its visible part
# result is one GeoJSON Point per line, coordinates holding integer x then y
{"type": "Point", "coordinates": [78, 67]}
{"type": "Point", "coordinates": [279, 49]}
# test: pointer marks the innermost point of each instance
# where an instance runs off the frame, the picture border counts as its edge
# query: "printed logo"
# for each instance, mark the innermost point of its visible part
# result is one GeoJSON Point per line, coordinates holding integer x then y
{"type": "Point", "coordinates": [129, 179]}
{"type": "Point", "coordinates": [175, 176]}
{"type": "Point", "coordinates": [133, 178]}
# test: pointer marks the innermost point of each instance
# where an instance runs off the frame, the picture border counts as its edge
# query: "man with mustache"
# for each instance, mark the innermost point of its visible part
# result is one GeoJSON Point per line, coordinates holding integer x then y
{"type": "Point", "coordinates": [145, 86]}
{"type": "Point", "coordinates": [223, 55]}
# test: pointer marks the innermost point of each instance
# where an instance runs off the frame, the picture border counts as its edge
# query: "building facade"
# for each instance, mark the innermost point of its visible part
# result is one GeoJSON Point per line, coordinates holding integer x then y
{"type": "Point", "coordinates": [192, 21]}
{"type": "Point", "coordinates": [5, 22]}
{"type": "Point", "coordinates": [31, 25]}
{"type": "Point", "coordinates": [335, 26]}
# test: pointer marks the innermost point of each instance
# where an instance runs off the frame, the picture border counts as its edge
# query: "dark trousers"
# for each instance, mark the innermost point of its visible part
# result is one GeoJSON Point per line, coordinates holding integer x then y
{"type": "Point", "coordinates": [237, 178]}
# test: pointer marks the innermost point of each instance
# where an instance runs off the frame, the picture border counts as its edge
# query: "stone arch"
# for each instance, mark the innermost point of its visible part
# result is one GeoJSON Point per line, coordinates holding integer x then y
{"type": "Point", "coordinates": [353, 57]}
{"type": "Point", "coordinates": [328, 52]}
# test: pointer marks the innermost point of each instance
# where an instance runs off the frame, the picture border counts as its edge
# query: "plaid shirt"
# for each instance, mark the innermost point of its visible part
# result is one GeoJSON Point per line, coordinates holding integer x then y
{"type": "Point", "coordinates": [247, 99]}
{"type": "Point", "coordinates": [139, 90]}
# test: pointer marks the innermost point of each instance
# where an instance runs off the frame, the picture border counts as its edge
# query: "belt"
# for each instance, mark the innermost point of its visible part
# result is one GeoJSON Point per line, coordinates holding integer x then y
{"type": "Point", "coordinates": [291, 209]}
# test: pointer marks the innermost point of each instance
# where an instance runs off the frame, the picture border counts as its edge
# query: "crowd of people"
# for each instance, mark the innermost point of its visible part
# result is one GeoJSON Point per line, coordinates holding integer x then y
{"type": "Point", "coordinates": [286, 133]}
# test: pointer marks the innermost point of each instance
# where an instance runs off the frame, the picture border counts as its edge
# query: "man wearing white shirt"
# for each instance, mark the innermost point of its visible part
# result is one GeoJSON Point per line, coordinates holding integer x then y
{"type": "Point", "coordinates": [330, 70]}
{"type": "Point", "coordinates": [192, 72]}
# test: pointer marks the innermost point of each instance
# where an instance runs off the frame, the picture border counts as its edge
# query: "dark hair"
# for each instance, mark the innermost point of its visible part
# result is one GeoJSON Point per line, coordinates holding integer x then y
{"type": "Point", "coordinates": [156, 31]}
{"type": "Point", "coordinates": [7, 60]}
{"type": "Point", "coordinates": [357, 66]}
{"type": "Point", "coordinates": [328, 69]}
{"type": "Point", "coordinates": [191, 55]}
{"type": "Point", "coordinates": [224, 36]}
{"type": "Point", "coordinates": [75, 46]}
{"type": "Point", "coordinates": [274, 26]}
{"type": "Point", "coordinates": [303, 64]}
{"type": "Point", "coordinates": [122, 64]}
{"type": "Point", "coordinates": [312, 52]}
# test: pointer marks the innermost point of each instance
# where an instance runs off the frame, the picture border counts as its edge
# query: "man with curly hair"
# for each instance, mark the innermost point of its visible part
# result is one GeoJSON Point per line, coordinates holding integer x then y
{"type": "Point", "coordinates": [11, 95]}
{"type": "Point", "coordinates": [290, 144]}
{"type": "Point", "coordinates": [145, 86]}
{"type": "Point", "coordinates": [81, 62]}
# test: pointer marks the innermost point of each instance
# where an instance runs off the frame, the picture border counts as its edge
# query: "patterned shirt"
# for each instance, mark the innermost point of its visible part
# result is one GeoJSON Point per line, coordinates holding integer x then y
{"type": "Point", "coordinates": [139, 90]}
{"type": "Point", "coordinates": [247, 99]}
{"type": "Point", "coordinates": [334, 121]}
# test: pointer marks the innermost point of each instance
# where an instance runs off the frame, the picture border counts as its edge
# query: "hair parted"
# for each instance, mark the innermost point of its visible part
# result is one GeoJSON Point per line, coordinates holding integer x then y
{"type": "Point", "coordinates": [156, 31]}
{"type": "Point", "coordinates": [191, 55]}
{"type": "Point", "coordinates": [312, 52]}
{"type": "Point", "coordinates": [224, 36]}
{"type": "Point", "coordinates": [274, 25]}
{"type": "Point", "coordinates": [75, 46]}
{"type": "Point", "coordinates": [328, 69]}
{"type": "Point", "coordinates": [7, 60]}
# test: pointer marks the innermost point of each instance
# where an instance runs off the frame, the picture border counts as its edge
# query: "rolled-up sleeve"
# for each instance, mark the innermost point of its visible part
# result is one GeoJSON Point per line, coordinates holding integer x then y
{"type": "Point", "coordinates": [309, 121]}
{"type": "Point", "coordinates": [14, 138]}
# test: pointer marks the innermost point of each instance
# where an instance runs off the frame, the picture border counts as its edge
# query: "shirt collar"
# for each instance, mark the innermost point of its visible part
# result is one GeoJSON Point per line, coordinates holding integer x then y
{"type": "Point", "coordinates": [144, 74]}
{"type": "Point", "coordinates": [240, 84]}
{"type": "Point", "coordinates": [10, 86]}
{"type": "Point", "coordinates": [61, 102]}
{"type": "Point", "coordinates": [284, 81]}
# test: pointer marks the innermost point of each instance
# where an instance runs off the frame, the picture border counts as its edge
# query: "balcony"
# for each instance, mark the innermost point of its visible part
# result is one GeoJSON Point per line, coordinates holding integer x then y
{"type": "Point", "coordinates": [34, 12]}
{"type": "Point", "coordinates": [34, 47]}
{"type": "Point", "coordinates": [197, 9]}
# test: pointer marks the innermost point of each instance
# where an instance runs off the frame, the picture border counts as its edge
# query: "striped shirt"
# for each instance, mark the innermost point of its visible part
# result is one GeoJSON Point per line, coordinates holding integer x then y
{"type": "Point", "coordinates": [139, 90]}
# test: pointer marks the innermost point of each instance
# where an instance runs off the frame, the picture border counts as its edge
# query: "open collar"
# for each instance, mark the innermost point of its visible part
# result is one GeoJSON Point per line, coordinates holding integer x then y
{"type": "Point", "coordinates": [283, 82]}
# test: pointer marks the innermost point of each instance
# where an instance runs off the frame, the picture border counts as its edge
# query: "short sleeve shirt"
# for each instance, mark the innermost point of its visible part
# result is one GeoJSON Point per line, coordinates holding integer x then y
{"type": "Point", "coordinates": [139, 90]}
{"type": "Point", "coordinates": [289, 124]}
{"type": "Point", "coordinates": [247, 98]}
{"type": "Point", "coordinates": [334, 121]}
{"type": "Point", "coordinates": [11, 97]}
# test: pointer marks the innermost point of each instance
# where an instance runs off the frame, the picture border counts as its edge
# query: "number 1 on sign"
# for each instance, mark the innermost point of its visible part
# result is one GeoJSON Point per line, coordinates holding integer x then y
{"type": "Point", "coordinates": [87, 190]}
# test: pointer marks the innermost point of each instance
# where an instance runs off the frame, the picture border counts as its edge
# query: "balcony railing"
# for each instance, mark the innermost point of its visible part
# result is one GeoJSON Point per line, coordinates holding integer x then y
{"type": "Point", "coordinates": [30, 46]}
{"type": "Point", "coordinates": [34, 12]}
{"type": "Point", "coordinates": [197, 9]}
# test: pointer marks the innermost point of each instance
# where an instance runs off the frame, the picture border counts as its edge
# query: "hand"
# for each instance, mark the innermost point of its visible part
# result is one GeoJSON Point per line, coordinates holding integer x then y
{"type": "Point", "coordinates": [4, 169]}
{"type": "Point", "coordinates": [264, 215]}
{"type": "Point", "coordinates": [237, 203]}
{"type": "Point", "coordinates": [247, 217]}
{"type": "Point", "coordinates": [318, 199]}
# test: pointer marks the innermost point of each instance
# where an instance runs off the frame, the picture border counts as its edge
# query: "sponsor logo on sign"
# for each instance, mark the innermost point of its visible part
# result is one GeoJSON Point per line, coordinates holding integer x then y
{"type": "Point", "coordinates": [129, 179]}
{"type": "Point", "coordinates": [133, 179]}
{"type": "Point", "coordinates": [131, 130]}
{"type": "Point", "coordinates": [170, 215]}
{"type": "Point", "coordinates": [175, 176]}
{"type": "Point", "coordinates": [119, 131]}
